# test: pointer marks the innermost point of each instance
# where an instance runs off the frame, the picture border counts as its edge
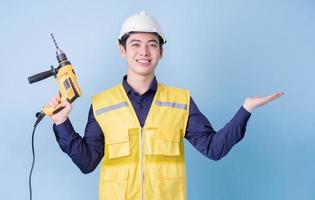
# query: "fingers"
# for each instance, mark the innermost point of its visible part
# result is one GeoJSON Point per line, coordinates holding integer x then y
{"type": "Point", "coordinates": [54, 101]}
{"type": "Point", "coordinates": [66, 104]}
{"type": "Point", "coordinates": [257, 101]}
{"type": "Point", "coordinates": [57, 100]}
{"type": "Point", "coordinates": [274, 96]}
{"type": "Point", "coordinates": [279, 94]}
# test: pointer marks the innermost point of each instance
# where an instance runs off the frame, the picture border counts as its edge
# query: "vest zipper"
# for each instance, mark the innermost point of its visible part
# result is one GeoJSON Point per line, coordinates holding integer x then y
{"type": "Point", "coordinates": [142, 163]}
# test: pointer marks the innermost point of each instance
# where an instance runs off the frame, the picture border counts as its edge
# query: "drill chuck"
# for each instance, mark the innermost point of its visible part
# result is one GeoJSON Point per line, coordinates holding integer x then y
{"type": "Point", "coordinates": [61, 56]}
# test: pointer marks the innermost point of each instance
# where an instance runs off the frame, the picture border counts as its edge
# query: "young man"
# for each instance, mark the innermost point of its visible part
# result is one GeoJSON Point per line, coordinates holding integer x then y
{"type": "Point", "coordinates": [138, 127]}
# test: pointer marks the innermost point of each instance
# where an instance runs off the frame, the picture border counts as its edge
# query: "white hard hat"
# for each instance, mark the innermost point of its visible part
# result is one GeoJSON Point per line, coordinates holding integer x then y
{"type": "Point", "coordinates": [141, 22]}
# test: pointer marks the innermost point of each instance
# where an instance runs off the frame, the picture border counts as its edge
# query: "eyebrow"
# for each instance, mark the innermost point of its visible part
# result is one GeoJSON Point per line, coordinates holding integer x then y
{"type": "Point", "coordinates": [135, 40]}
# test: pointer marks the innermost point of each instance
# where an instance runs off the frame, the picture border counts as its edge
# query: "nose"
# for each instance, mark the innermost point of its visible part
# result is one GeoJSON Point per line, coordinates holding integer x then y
{"type": "Point", "coordinates": [144, 51]}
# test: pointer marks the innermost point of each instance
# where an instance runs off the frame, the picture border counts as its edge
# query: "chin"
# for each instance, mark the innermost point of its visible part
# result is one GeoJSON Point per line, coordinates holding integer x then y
{"type": "Point", "coordinates": [141, 71]}
{"type": "Point", "coordinates": [146, 73]}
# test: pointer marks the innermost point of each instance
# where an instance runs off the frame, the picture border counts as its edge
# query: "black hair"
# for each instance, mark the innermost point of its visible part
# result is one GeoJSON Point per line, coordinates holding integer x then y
{"type": "Point", "coordinates": [122, 41]}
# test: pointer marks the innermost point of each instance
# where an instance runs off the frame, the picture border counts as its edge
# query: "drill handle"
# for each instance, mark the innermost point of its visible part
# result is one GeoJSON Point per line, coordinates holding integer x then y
{"type": "Point", "coordinates": [49, 111]}
{"type": "Point", "coordinates": [42, 75]}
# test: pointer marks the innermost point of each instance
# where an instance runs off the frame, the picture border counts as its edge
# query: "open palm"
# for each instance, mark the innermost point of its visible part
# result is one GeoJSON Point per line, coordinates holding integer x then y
{"type": "Point", "coordinates": [254, 102]}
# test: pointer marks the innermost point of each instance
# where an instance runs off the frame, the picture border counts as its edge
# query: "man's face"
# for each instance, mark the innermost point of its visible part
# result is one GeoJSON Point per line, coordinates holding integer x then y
{"type": "Point", "coordinates": [142, 53]}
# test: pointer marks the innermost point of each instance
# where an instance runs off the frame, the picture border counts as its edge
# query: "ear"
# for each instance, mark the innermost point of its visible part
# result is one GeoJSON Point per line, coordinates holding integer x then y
{"type": "Point", "coordinates": [122, 51]}
{"type": "Point", "coordinates": [161, 52]}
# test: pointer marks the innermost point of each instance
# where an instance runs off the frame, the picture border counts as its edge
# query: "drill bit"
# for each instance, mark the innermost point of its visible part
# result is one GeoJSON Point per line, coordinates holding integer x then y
{"type": "Point", "coordinates": [61, 56]}
{"type": "Point", "coordinates": [52, 36]}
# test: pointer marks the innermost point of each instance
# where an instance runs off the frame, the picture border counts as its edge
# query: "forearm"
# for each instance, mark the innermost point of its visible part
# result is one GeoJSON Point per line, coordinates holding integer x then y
{"type": "Point", "coordinates": [85, 152]}
{"type": "Point", "coordinates": [221, 142]}
{"type": "Point", "coordinates": [214, 145]}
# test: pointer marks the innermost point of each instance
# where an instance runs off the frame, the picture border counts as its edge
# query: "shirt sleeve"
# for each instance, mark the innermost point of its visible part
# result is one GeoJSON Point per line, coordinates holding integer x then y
{"type": "Point", "coordinates": [214, 145]}
{"type": "Point", "coordinates": [85, 152]}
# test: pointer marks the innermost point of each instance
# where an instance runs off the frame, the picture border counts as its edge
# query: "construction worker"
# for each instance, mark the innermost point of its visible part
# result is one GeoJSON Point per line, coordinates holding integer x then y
{"type": "Point", "coordinates": [138, 126]}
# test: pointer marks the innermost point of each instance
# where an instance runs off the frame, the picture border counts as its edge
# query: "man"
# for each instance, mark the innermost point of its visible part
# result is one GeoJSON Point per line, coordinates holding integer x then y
{"type": "Point", "coordinates": [138, 127]}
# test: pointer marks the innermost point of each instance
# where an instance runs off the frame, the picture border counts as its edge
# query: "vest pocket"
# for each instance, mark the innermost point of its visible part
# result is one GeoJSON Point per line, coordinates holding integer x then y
{"type": "Point", "coordinates": [118, 144]}
{"type": "Point", "coordinates": [115, 183]}
{"type": "Point", "coordinates": [162, 142]}
{"type": "Point", "coordinates": [168, 181]}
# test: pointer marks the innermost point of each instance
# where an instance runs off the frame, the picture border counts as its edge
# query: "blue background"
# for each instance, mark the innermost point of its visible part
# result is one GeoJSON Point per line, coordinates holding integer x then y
{"type": "Point", "coordinates": [223, 51]}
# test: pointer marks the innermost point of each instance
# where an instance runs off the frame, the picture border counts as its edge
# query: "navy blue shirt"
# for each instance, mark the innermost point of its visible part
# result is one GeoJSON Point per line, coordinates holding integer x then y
{"type": "Point", "coordinates": [86, 152]}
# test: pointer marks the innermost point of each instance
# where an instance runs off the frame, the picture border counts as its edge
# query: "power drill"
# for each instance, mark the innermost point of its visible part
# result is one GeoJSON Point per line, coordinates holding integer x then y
{"type": "Point", "coordinates": [67, 83]}
{"type": "Point", "coordinates": [68, 90]}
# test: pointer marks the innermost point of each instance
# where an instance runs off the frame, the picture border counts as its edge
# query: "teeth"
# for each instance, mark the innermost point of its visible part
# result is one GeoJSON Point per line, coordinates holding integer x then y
{"type": "Point", "coordinates": [143, 61]}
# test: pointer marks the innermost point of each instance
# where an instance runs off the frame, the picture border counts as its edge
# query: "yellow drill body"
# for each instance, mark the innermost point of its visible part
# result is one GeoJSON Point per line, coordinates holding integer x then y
{"type": "Point", "coordinates": [68, 88]}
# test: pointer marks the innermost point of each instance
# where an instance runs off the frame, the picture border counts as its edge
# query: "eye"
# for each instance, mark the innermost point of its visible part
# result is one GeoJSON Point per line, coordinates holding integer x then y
{"type": "Point", "coordinates": [153, 45]}
{"type": "Point", "coordinates": [135, 44]}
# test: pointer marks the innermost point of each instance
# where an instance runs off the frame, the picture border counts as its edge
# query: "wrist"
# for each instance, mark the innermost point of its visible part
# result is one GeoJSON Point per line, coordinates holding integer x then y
{"type": "Point", "coordinates": [248, 108]}
{"type": "Point", "coordinates": [60, 121]}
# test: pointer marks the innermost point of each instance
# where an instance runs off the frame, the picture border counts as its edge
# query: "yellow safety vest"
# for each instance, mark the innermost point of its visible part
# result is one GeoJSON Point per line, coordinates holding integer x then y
{"type": "Point", "coordinates": [143, 163]}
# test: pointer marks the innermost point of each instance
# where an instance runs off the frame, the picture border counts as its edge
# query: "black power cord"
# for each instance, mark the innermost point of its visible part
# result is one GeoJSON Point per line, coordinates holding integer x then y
{"type": "Point", "coordinates": [40, 116]}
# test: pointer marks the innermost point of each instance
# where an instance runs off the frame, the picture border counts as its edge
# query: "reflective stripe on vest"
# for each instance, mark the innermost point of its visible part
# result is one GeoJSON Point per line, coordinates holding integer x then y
{"type": "Point", "coordinates": [171, 104]}
{"type": "Point", "coordinates": [110, 108]}
{"type": "Point", "coordinates": [143, 162]}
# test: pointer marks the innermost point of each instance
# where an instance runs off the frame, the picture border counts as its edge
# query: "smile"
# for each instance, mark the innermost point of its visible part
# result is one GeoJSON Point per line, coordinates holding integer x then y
{"type": "Point", "coordinates": [144, 61]}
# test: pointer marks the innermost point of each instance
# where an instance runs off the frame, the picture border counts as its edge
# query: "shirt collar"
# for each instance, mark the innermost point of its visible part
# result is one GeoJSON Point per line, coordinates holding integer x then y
{"type": "Point", "coordinates": [128, 88]}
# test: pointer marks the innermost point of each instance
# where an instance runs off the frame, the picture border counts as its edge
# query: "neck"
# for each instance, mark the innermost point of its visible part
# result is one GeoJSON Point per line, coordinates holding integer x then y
{"type": "Point", "coordinates": [139, 83]}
